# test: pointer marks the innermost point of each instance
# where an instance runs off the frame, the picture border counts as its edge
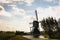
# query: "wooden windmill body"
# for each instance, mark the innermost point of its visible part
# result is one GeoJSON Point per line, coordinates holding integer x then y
{"type": "Point", "coordinates": [35, 28]}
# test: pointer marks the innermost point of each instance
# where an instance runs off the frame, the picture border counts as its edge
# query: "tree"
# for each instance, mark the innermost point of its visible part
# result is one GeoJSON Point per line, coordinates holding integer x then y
{"type": "Point", "coordinates": [49, 25]}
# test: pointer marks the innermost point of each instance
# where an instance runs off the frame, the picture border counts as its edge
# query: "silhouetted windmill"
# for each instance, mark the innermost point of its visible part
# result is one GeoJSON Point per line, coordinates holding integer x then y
{"type": "Point", "coordinates": [35, 30]}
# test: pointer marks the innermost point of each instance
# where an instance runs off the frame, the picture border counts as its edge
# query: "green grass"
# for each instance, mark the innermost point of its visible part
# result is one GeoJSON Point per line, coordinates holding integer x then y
{"type": "Point", "coordinates": [12, 36]}
{"type": "Point", "coordinates": [19, 37]}
{"type": "Point", "coordinates": [7, 34]}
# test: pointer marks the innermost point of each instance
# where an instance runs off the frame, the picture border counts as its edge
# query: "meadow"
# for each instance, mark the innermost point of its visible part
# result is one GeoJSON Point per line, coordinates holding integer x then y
{"type": "Point", "coordinates": [13, 36]}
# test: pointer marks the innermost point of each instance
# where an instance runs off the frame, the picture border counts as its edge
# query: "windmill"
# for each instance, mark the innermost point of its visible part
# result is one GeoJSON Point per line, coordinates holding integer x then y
{"type": "Point", "coordinates": [35, 28]}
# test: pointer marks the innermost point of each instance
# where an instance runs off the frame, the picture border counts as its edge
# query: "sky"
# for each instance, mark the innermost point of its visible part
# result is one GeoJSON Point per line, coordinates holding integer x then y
{"type": "Point", "coordinates": [17, 14]}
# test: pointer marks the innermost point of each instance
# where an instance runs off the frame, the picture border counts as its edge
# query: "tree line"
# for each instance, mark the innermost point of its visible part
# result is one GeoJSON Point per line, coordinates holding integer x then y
{"type": "Point", "coordinates": [51, 27]}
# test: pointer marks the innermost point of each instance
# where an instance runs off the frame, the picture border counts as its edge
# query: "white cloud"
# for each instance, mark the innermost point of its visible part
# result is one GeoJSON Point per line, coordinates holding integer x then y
{"type": "Point", "coordinates": [5, 26]}
{"type": "Point", "coordinates": [24, 23]}
{"type": "Point", "coordinates": [18, 11]}
{"type": "Point", "coordinates": [5, 1]}
{"type": "Point", "coordinates": [50, 11]}
{"type": "Point", "coordinates": [28, 2]}
{"type": "Point", "coordinates": [48, 0]}
{"type": "Point", "coordinates": [4, 13]}
{"type": "Point", "coordinates": [12, 5]}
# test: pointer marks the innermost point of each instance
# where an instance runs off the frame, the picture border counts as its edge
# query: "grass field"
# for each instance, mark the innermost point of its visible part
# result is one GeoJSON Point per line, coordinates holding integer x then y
{"type": "Point", "coordinates": [19, 37]}
{"type": "Point", "coordinates": [12, 36]}
{"type": "Point", "coordinates": [7, 34]}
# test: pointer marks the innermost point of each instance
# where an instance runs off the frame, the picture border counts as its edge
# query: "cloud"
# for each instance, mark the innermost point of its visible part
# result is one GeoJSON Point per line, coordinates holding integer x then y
{"type": "Point", "coordinates": [28, 2]}
{"type": "Point", "coordinates": [12, 5]}
{"type": "Point", "coordinates": [21, 25]}
{"type": "Point", "coordinates": [50, 11]}
{"type": "Point", "coordinates": [5, 26]}
{"type": "Point", "coordinates": [58, 2]}
{"type": "Point", "coordinates": [8, 25]}
{"type": "Point", "coordinates": [4, 13]}
{"type": "Point", "coordinates": [25, 23]}
{"type": "Point", "coordinates": [48, 0]}
{"type": "Point", "coordinates": [17, 11]}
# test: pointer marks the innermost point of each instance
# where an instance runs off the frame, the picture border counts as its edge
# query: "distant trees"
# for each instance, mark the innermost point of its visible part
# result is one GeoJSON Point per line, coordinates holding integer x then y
{"type": "Point", "coordinates": [50, 26]}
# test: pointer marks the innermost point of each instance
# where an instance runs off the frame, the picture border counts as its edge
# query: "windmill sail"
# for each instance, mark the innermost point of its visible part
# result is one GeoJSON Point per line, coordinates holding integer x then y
{"type": "Point", "coordinates": [36, 15]}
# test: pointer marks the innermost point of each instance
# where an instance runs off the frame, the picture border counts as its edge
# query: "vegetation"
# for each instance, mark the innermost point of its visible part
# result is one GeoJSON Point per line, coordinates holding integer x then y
{"type": "Point", "coordinates": [19, 37]}
{"type": "Point", "coordinates": [50, 26]}
{"type": "Point", "coordinates": [7, 34]}
{"type": "Point", "coordinates": [11, 36]}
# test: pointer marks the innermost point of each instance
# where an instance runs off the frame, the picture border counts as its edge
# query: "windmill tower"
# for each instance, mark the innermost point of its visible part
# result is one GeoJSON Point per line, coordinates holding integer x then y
{"type": "Point", "coordinates": [35, 28]}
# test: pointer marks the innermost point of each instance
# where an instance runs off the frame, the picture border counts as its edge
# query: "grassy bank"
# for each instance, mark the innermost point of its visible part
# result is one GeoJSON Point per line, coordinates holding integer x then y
{"type": "Point", "coordinates": [19, 37]}
{"type": "Point", "coordinates": [7, 35]}
{"type": "Point", "coordinates": [11, 36]}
